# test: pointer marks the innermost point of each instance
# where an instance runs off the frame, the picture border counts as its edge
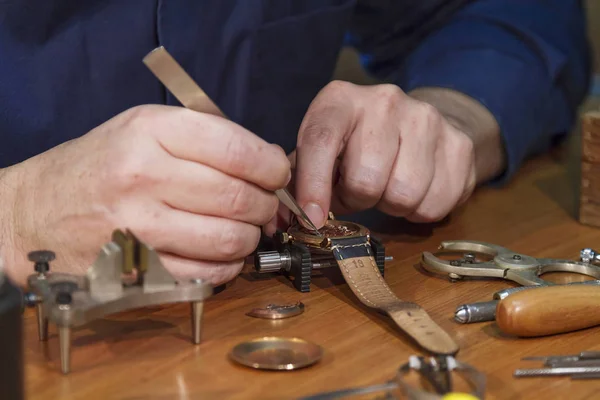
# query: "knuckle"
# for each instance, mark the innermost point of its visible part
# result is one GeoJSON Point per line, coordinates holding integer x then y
{"type": "Point", "coordinates": [465, 146]}
{"type": "Point", "coordinates": [337, 88]}
{"type": "Point", "coordinates": [430, 215]}
{"type": "Point", "coordinates": [237, 201]}
{"type": "Point", "coordinates": [130, 172]}
{"type": "Point", "coordinates": [234, 241]}
{"type": "Point", "coordinates": [390, 95]}
{"type": "Point", "coordinates": [429, 113]}
{"type": "Point", "coordinates": [402, 196]}
{"type": "Point", "coordinates": [365, 186]}
{"type": "Point", "coordinates": [236, 155]}
{"type": "Point", "coordinates": [317, 131]}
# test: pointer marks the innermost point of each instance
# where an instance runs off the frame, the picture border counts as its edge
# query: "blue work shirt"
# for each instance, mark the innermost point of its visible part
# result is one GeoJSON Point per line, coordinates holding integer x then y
{"type": "Point", "coordinates": [67, 66]}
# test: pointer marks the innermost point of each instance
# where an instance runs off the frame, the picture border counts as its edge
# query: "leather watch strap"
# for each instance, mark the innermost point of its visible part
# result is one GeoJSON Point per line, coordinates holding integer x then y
{"type": "Point", "coordinates": [357, 263]}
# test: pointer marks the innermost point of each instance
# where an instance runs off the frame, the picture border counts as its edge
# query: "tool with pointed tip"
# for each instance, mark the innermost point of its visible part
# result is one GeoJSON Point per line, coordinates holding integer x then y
{"type": "Point", "coordinates": [187, 91]}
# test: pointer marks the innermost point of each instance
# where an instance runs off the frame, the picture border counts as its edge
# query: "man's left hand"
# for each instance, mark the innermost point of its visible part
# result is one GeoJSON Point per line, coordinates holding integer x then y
{"type": "Point", "coordinates": [361, 147]}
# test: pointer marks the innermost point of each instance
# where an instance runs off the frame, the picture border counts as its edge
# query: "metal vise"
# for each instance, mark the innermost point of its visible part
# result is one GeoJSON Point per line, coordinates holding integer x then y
{"type": "Point", "coordinates": [127, 274]}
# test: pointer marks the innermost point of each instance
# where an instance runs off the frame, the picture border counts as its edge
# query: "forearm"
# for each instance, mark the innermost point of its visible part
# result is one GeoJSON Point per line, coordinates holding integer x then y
{"type": "Point", "coordinates": [476, 121]}
{"type": "Point", "coordinates": [8, 188]}
{"type": "Point", "coordinates": [527, 63]}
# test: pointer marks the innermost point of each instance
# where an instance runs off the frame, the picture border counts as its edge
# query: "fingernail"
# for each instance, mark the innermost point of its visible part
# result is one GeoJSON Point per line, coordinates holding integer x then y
{"type": "Point", "coordinates": [315, 213]}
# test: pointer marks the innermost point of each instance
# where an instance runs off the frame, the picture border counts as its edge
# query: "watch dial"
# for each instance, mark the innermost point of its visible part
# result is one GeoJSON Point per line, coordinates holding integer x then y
{"type": "Point", "coordinates": [333, 230]}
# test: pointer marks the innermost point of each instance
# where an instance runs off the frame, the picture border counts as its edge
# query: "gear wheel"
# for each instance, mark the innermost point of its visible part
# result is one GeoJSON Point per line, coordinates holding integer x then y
{"type": "Point", "coordinates": [301, 269]}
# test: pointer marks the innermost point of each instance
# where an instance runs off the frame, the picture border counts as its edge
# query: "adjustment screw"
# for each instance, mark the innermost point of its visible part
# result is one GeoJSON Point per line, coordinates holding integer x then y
{"type": "Point", "coordinates": [454, 277]}
{"type": "Point", "coordinates": [588, 255]}
{"type": "Point", "coordinates": [455, 263]}
{"type": "Point", "coordinates": [42, 259]}
{"type": "Point", "coordinates": [516, 257]}
{"type": "Point", "coordinates": [63, 298]}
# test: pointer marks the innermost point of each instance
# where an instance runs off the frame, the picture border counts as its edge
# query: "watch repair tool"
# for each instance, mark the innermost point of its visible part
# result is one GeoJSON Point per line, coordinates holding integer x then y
{"type": "Point", "coordinates": [504, 264]}
{"type": "Point", "coordinates": [435, 371]}
{"type": "Point", "coordinates": [486, 310]}
{"type": "Point", "coordinates": [276, 311]}
{"type": "Point", "coordinates": [275, 353]}
{"type": "Point", "coordinates": [585, 365]}
{"type": "Point", "coordinates": [191, 96]}
{"type": "Point", "coordinates": [12, 366]}
{"type": "Point", "coordinates": [360, 260]}
{"type": "Point", "coordinates": [549, 310]}
{"type": "Point", "coordinates": [127, 274]}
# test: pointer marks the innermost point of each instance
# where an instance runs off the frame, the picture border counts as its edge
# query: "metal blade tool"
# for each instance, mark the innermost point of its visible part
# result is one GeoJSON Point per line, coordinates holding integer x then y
{"type": "Point", "coordinates": [191, 96]}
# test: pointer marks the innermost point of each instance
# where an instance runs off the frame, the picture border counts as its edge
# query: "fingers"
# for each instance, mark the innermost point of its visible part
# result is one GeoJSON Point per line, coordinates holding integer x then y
{"type": "Point", "coordinates": [199, 189]}
{"type": "Point", "coordinates": [328, 122]}
{"type": "Point", "coordinates": [434, 170]}
{"type": "Point", "coordinates": [414, 168]}
{"type": "Point", "coordinates": [199, 237]}
{"type": "Point", "coordinates": [368, 158]}
{"type": "Point", "coordinates": [217, 143]}
{"type": "Point", "coordinates": [214, 272]}
{"type": "Point", "coordinates": [453, 181]}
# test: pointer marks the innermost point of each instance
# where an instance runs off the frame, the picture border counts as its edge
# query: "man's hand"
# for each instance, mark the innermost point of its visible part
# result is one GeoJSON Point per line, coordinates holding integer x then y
{"type": "Point", "coordinates": [361, 147]}
{"type": "Point", "coordinates": [194, 186]}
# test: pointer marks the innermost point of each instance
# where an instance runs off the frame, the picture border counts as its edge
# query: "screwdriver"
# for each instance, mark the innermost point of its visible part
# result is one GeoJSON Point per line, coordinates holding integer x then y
{"type": "Point", "coordinates": [549, 310]}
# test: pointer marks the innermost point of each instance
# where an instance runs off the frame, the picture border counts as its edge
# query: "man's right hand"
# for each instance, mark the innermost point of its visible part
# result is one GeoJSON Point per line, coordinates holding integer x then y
{"type": "Point", "coordinates": [194, 186]}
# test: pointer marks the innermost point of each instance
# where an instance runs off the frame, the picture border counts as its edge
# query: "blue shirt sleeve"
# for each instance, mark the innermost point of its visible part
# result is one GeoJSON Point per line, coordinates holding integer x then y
{"type": "Point", "coordinates": [527, 62]}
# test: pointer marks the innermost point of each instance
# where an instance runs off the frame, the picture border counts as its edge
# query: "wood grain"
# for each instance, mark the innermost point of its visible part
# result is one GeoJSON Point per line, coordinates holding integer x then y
{"type": "Point", "coordinates": [548, 311]}
{"type": "Point", "coordinates": [148, 354]}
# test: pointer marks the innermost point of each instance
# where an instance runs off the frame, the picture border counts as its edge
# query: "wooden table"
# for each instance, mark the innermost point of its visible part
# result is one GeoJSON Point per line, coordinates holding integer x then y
{"type": "Point", "coordinates": [147, 354]}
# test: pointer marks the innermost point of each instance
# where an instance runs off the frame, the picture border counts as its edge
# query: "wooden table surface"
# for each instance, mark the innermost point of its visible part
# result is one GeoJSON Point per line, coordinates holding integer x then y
{"type": "Point", "coordinates": [147, 354]}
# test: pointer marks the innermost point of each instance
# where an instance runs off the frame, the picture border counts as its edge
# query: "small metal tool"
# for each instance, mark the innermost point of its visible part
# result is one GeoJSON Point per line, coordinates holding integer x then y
{"type": "Point", "coordinates": [584, 355]}
{"type": "Point", "coordinates": [276, 353]}
{"type": "Point", "coordinates": [436, 371]}
{"type": "Point", "coordinates": [276, 311]}
{"type": "Point", "coordinates": [127, 274]}
{"type": "Point", "coordinates": [585, 365]}
{"type": "Point", "coordinates": [191, 96]}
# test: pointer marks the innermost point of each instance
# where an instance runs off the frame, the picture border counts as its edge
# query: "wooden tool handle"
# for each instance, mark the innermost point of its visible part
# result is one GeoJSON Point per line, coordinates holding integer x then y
{"type": "Point", "coordinates": [549, 310]}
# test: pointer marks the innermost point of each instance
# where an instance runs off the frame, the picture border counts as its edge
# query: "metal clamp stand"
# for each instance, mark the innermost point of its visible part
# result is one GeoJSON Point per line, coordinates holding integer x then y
{"type": "Point", "coordinates": [297, 261]}
{"type": "Point", "coordinates": [127, 274]}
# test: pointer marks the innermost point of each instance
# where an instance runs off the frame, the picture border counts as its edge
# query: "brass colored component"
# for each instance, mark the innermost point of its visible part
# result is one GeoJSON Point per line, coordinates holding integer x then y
{"type": "Point", "coordinates": [72, 300]}
{"type": "Point", "coordinates": [275, 311]}
{"type": "Point", "coordinates": [520, 268]}
{"type": "Point", "coordinates": [276, 353]}
{"type": "Point", "coordinates": [331, 229]}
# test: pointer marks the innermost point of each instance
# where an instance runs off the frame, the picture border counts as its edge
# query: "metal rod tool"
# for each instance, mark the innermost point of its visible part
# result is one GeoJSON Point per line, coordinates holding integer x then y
{"type": "Point", "coordinates": [585, 365]}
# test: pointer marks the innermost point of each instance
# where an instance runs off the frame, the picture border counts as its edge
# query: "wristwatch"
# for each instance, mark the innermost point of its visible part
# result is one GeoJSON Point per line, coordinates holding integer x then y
{"type": "Point", "coordinates": [350, 246]}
